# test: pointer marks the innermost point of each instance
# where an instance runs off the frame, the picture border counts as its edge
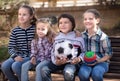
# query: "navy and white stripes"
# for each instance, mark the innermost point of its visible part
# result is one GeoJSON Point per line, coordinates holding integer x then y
{"type": "Point", "coordinates": [20, 41]}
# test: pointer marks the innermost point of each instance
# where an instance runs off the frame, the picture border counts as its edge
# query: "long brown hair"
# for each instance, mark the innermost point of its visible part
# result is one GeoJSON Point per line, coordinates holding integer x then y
{"type": "Point", "coordinates": [31, 12]}
{"type": "Point", "coordinates": [50, 34]}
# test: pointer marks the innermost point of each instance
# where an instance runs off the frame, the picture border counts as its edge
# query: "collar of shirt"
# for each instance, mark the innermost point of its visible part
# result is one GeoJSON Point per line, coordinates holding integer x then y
{"type": "Point", "coordinates": [99, 32]}
{"type": "Point", "coordinates": [43, 40]}
{"type": "Point", "coordinates": [67, 36]}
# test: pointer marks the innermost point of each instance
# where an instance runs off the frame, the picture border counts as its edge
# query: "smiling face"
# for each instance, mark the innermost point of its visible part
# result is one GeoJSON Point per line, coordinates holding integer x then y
{"type": "Point", "coordinates": [89, 20]}
{"type": "Point", "coordinates": [24, 16]}
{"type": "Point", "coordinates": [65, 25]}
{"type": "Point", "coordinates": [42, 29]}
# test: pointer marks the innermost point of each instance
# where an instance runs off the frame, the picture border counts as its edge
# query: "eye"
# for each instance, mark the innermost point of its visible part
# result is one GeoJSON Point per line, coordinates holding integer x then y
{"type": "Point", "coordinates": [19, 14]}
{"type": "Point", "coordinates": [85, 19]}
{"type": "Point", "coordinates": [60, 23]}
{"type": "Point", "coordinates": [66, 22]}
{"type": "Point", "coordinates": [38, 28]}
{"type": "Point", "coordinates": [42, 29]}
{"type": "Point", "coordinates": [90, 18]}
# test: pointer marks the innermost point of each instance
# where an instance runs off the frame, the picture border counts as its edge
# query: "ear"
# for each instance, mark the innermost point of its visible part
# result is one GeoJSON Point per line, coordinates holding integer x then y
{"type": "Point", "coordinates": [31, 16]}
{"type": "Point", "coordinates": [98, 20]}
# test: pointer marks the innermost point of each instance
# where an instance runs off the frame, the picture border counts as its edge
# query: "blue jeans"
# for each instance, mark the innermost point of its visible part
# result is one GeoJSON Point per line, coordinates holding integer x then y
{"type": "Point", "coordinates": [68, 71]}
{"type": "Point", "coordinates": [12, 68]}
{"type": "Point", "coordinates": [28, 65]}
{"type": "Point", "coordinates": [96, 72]}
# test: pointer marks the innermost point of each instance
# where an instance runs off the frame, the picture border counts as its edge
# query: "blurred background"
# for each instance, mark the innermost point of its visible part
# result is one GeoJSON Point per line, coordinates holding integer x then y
{"type": "Point", "coordinates": [109, 9]}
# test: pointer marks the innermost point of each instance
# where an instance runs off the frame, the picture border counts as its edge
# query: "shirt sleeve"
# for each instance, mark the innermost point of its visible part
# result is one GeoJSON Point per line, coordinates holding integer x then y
{"type": "Point", "coordinates": [12, 46]}
{"type": "Point", "coordinates": [48, 48]}
{"type": "Point", "coordinates": [53, 55]}
{"type": "Point", "coordinates": [33, 48]}
{"type": "Point", "coordinates": [82, 44]}
{"type": "Point", "coordinates": [107, 46]}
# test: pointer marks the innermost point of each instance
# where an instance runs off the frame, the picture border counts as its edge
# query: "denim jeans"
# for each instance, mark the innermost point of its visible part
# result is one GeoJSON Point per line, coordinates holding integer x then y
{"type": "Point", "coordinates": [96, 72]}
{"type": "Point", "coordinates": [68, 71]}
{"type": "Point", "coordinates": [12, 68]}
{"type": "Point", "coordinates": [28, 65]}
{"type": "Point", "coordinates": [38, 67]}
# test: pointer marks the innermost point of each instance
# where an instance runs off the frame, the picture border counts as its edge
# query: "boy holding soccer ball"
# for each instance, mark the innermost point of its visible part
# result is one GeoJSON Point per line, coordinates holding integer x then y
{"type": "Point", "coordinates": [66, 25]}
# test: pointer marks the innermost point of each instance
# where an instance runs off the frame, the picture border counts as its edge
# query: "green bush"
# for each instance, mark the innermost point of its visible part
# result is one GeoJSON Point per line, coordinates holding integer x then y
{"type": "Point", "coordinates": [3, 53]}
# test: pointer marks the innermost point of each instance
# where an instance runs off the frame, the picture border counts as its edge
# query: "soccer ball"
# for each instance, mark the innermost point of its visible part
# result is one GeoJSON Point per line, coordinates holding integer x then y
{"type": "Point", "coordinates": [66, 49]}
{"type": "Point", "coordinates": [90, 57]}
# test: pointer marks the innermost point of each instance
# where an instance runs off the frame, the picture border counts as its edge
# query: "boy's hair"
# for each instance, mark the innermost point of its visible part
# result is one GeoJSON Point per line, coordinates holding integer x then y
{"type": "Point", "coordinates": [31, 12]}
{"type": "Point", "coordinates": [95, 12]}
{"type": "Point", "coordinates": [50, 34]}
{"type": "Point", "coordinates": [70, 17]}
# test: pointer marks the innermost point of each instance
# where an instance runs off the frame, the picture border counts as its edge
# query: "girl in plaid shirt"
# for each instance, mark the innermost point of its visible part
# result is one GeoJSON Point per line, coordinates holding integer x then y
{"type": "Point", "coordinates": [98, 42]}
{"type": "Point", "coordinates": [41, 47]}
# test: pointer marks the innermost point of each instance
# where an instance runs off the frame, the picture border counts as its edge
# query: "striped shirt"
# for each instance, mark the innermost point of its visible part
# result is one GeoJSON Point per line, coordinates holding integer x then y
{"type": "Point", "coordinates": [20, 41]}
{"type": "Point", "coordinates": [41, 49]}
{"type": "Point", "coordinates": [98, 43]}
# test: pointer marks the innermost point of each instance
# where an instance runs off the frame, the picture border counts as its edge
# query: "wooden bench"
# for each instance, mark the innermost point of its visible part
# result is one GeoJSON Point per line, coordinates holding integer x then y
{"type": "Point", "coordinates": [114, 69]}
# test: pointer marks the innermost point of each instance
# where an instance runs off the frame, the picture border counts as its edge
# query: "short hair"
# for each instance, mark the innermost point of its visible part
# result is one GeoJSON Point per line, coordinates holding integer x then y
{"type": "Point", "coordinates": [70, 17]}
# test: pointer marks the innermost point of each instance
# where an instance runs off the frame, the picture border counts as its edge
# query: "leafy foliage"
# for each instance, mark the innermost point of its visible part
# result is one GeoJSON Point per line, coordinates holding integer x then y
{"type": "Point", "coordinates": [3, 53]}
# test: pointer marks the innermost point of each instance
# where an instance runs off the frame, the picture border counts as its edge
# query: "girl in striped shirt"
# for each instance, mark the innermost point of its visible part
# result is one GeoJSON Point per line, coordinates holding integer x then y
{"type": "Point", "coordinates": [19, 43]}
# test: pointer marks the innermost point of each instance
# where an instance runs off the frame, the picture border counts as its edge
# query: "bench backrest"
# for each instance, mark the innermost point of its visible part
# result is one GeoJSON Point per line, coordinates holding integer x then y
{"type": "Point", "coordinates": [115, 60]}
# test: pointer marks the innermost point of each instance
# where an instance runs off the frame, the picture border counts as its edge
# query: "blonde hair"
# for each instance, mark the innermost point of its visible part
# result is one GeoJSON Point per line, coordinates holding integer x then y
{"type": "Point", "coordinates": [50, 34]}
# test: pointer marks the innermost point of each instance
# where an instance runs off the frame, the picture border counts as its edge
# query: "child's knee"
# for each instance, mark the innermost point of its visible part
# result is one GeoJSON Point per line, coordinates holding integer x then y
{"type": "Point", "coordinates": [69, 75]}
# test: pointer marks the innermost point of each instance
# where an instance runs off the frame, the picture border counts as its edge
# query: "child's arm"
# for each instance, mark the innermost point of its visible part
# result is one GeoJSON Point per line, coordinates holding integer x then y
{"type": "Point", "coordinates": [76, 60]}
{"type": "Point", "coordinates": [108, 52]}
{"type": "Point", "coordinates": [33, 52]}
{"type": "Point", "coordinates": [12, 48]}
{"type": "Point", "coordinates": [77, 33]}
{"type": "Point", "coordinates": [105, 58]}
{"type": "Point", "coordinates": [34, 49]}
{"type": "Point", "coordinates": [82, 48]}
{"type": "Point", "coordinates": [61, 60]}
{"type": "Point", "coordinates": [107, 49]}
{"type": "Point", "coordinates": [33, 60]}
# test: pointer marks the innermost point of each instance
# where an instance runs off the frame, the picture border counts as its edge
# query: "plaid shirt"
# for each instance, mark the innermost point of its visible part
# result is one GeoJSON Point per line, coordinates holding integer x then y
{"type": "Point", "coordinates": [41, 49]}
{"type": "Point", "coordinates": [98, 43]}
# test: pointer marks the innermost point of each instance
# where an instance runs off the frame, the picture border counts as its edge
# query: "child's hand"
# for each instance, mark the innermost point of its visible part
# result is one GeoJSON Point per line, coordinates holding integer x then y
{"type": "Point", "coordinates": [92, 64]}
{"type": "Point", "coordinates": [61, 60]}
{"type": "Point", "coordinates": [76, 60]}
{"type": "Point", "coordinates": [18, 58]}
{"type": "Point", "coordinates": [78, 34]}
{"type": "Point", "coordinates": [33, 60]}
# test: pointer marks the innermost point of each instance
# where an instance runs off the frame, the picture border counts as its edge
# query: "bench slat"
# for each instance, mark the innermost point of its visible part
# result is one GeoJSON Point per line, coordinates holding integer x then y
{"type": "Point", "coordinates": [112, 75]}
{"type": "Point", "coordinates": [115, 39]}
{"type": "Point", "coordinates": [115, 59]}
{"type": "Point", "coordinates": [116, 49]}
{"type": "Point", "coordinates": [116, 54]}
{"type": "Point", "coordinates": [115, 44]}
